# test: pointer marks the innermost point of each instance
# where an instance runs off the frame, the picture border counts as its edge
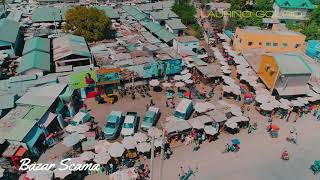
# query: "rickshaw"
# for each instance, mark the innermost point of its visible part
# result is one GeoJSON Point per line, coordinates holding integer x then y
{"type": "Point", "coordinates": [315, 167]}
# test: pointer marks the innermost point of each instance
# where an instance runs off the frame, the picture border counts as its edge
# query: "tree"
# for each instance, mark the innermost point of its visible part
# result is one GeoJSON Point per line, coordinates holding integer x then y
{"type": "Point", "coordinates": [88, 22]}
{"type": "Point", "coordinates": [185, 10]}
{"type": "Point", "coordinates": [311, 28]}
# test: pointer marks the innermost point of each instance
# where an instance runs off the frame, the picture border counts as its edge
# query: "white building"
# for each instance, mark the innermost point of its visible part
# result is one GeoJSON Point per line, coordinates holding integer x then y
{"type": "Point", "coordinates": [296, 10]}
{"type": "Point", "coordinates": [185, 44]}
{"type": "Point", "coordinates": [175, 26]}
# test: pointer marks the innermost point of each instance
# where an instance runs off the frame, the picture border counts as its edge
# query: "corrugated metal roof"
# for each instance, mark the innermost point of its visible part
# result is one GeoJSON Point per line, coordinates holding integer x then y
{"type": "Point", "coordinates": [7, 101]}
{"type": "Point", "coordinates": [16, 129]}
{"type": "Point", "coordinates": [9, 30]}
{"type": "Point", "coordinates": [135, 13]}
{"type": "Point", "coordinates": [36, 113]}
{"type": "Point", "coordinates": [37, 43]}
{"type": "Point", "coordinates": [297, 4]}
{"type": "Point", "coordinates": [175, 24]}
{"type": "Point", "coordinates": [292, 64]}
{"type": "Point", "coordinates": [15, 15]}
{"type": "Point", "coordinates": [68, 45]}
{"type": "Point", "coordinates": [163, 14]}
{"type": "Point", "coordinates": [158, 30]}
{"type": "Point", "coordinates": [48, 14]}
{"type": "Point", "coordinates": [42, 96]}
{"type": "Point", "coordinates": [35, 60]}
{"type": "Point", "coordinates": [110, 12]}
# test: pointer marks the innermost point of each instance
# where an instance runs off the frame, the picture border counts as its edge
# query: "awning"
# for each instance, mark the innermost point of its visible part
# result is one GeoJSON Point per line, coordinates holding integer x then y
{"type": "Point", "coordinates": [48, 118]}
{"type": "Point", "coordinates": [32, 137]}
{"type": "Point", "coordinates": [66, 96]}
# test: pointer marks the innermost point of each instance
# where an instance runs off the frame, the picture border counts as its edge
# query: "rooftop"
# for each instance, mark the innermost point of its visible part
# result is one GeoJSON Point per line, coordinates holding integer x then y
{"type": "Point", "coordinates": [257, 30]}
{"type": "Point", "coordinates": [163, 14]}
{"type": "Point", "coordinates": [296, 4]}
{"type": "Point", "coordinates": [291, 63]}
{"type": "Point", "coordinates": [175, 24]}
{"type": "Point", "coordinates": [37, 43]}
{"type": "Point", "coordinates": [48, 14]}
{"type": "Point", "coordinates": [183, 39]}
{"type": "Point", "coordinates": [9, 30]}
{"type": "Point", "coordinates": [7, 101]}
{"type": "Point", "coordinates": [42, 96]}
{"type": "Point", "coordinates": [70, 45]}
{"type": "Point", "coordinates": [110, 12]}
{"type": "Point", "coordinates": [34, 60]}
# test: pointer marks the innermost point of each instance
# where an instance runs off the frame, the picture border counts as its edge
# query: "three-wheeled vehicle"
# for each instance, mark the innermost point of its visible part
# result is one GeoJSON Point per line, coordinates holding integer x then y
{"type": "Point", "coordinates": [315, 167]}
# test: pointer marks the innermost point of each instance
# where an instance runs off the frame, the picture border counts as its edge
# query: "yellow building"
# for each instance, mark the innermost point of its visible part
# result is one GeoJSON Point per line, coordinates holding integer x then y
{"type": "Point", "coordinates": [286, 73]}
{"type": "Point", "coordinates": [278, 39]}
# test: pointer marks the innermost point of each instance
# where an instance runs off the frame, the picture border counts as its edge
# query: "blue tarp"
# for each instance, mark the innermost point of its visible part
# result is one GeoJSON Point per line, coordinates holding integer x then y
{"type": "Point", "coordinates": [229, 34]}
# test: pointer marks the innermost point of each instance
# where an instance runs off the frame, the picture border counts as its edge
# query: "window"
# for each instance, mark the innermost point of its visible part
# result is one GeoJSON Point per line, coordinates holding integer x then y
{"type": "Point", "coordinates": [275, 44]}
{"type": "Point", "coordinates": [297, 46]}
{"type": "Point", "coordinates": [250, 43]}
{"type": "Point", "coordinates": [268, 44]}
{"type": "Point", "coordinates": [284, 45]}
{"type": "Point", "coordinates": [194, 44]}
{"type": "Point", "coordinates": [260, 43]}
{"type": "Point", "coordinates": [240, 40]}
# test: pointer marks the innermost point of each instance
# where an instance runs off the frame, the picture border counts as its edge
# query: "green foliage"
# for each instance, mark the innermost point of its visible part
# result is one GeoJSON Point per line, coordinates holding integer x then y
{"type": "Point", "coordinates": [253, 20]}
{"type": "Point", "coordinates": [88, 22]}
{"type": "Point", "coordinates": [185, 10]}
{"type": "Point", "coordinates": [198, 29]}
{"type": "Point", "coordinates": [311, 28]}
{"type": "Point", "coordinates": [217, 20]}
{"type": "Point", "coordinates": [315, 2]}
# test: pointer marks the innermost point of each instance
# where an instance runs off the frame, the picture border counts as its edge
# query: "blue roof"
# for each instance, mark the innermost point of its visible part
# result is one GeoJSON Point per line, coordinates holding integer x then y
{"type": "Point", "coordinates": [9, 30]}
{"type": "Point", "coordinates": [313, 49]}
{"type": "Point", "coordinates": [291, 63]}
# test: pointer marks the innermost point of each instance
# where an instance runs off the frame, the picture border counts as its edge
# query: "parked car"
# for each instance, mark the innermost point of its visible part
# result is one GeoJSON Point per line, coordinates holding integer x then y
{"type": "Point", "coordinates": [130, 124]}
{"type": "Point", "coordinates": [150, 118]}
{"type": "Point", "coordinates": [113, 125]}
{"type": "Point", "coordinates": [80, 118]}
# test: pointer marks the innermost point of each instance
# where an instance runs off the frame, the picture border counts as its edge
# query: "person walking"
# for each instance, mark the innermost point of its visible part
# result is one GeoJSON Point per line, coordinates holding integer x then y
{"type": "Point", "coordinates": [151, 101]}
{"type": "Point", "coordinates": [167, 104]}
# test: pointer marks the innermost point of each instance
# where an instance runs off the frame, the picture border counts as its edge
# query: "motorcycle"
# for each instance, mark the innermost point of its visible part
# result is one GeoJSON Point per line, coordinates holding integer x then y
{"type": "Point", "coordinates": [285, 156]}
{"type": "Point", "coordinates": [292, 140]}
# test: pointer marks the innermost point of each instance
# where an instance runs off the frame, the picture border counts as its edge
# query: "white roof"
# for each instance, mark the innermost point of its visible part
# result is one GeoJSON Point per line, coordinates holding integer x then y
{"type": "Point", "coordinates": [184, 103]}
{"type": "Point", "coordinates": [154, 109]}
{"type": "Point", "coordinates": [129, 119]}
{"type": "Point", "coordinates": [79, 116]}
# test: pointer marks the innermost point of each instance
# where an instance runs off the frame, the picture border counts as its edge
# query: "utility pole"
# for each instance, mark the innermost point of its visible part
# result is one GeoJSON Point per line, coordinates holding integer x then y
{"type": "Point", "coordinates": [162, 155]}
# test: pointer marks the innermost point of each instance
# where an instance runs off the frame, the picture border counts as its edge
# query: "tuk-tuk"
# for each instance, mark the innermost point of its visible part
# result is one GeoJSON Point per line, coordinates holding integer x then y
{"type": "Point", "coordinates": [184, 109]}
{"type": "Point", "coordinates": [80, 118]}
{"type": "Point", "coordinates": [315, 167]}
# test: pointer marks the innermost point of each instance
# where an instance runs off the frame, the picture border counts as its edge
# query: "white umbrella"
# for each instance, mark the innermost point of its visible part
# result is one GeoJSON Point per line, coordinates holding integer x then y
{"type": "Point", "coordinates": [234, 119]}
{"type": "Point", "coordinates": [177, 77]}
{"type": "Point", "coordinates": [82, 128]}
{"type": "Point", "coordinates": [186, 76]}
{"type": "Point", "coordinates": [166, 84]}
{"type": "Point", "coordinates": [226, 71]}
{"type": "Point", "coordinates": [102, 146]}
{"type": "Point", "coordinates": [202, 107]}
{"type": "Point", "coordinates": [227, 89]}
{"type": "Point", "coordinates": [72, 139]}
{"type": "Point", "coordinates": [236, 111]}
{"type": "Point", "coordinates": [210, 130]}
{"type": "Point", "coordinates": [223, 103]}
{"type": "Point", "coordinates": [267, 106]}
{"type": "Point", "coordinates": [303, 100]}
{"type": "Point", "coordinates": [297, 103]}
{"type": "Point", "coordinates": [116, 149]}
{"type": "Point", "coordinates": [129, 142]}
{"type": "Point", "coordinates": [196, 123]}
{"type": "Point", "coordinates": [154, 82]}
{"type": "Point", "coordinates": [284, 106]}
{"type": "Point", "coordinates": [143, 147]}
{"type": "Point", "coordinates": [158, 142]}
{"type": "Point", "coordinates": [71, 129]}
{"type": "Point", "coordinates": [102, 158]}
{"type": "Point", "coordinates": [40, 175]}
{"type": "Point", "coordinates": [231, 125]}
{"type": "Point", "coordinates": [179, 84]}
{"type": "Point", "coordinates": [261, 99]}
{"type": "Point", "coordinates": [225, 67]}
{"type": "Point", "coordinates": [154, 132]}
{"type": "Point", "coordinates": [87, 155]}
{"type": "Point", "coordinates": [188, 81]}
{"type": "Point", "coordinates": [185, 71]}
{"type": "Point", "coordinates": [58, 173]}
{"type": "Point", "coordinates": [140, 137]}
{"type": "Point", "coordinates": [236, 91]}
{"type": "Point", "coordinates": [1, 172]}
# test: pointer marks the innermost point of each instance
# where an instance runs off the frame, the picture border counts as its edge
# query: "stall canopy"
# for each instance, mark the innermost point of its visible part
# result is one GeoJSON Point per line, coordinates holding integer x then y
{"type": "Point", "coordinates": [67, 94]}
{"type": "Point", "coordinates": [33, 136]}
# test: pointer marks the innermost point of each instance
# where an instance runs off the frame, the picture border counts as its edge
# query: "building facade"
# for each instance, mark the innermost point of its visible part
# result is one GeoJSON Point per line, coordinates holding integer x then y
{"type": "Point", "coordinates": [274, 40]}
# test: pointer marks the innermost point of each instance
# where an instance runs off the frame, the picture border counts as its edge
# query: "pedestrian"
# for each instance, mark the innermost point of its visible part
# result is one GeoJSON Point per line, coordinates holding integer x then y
{"type": "Point", "coordinates": [182, 172]}
{"type": "Point", "coordinates": [147, 107]}
{"type": "Point", "coordinates": [151, 101]}
{"type": "Point", "coordinates": [173, 105]}
{"type": "Point", "coordinates": [167, 104]}
{"type": "Point", "coordinates": [289, 113]}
